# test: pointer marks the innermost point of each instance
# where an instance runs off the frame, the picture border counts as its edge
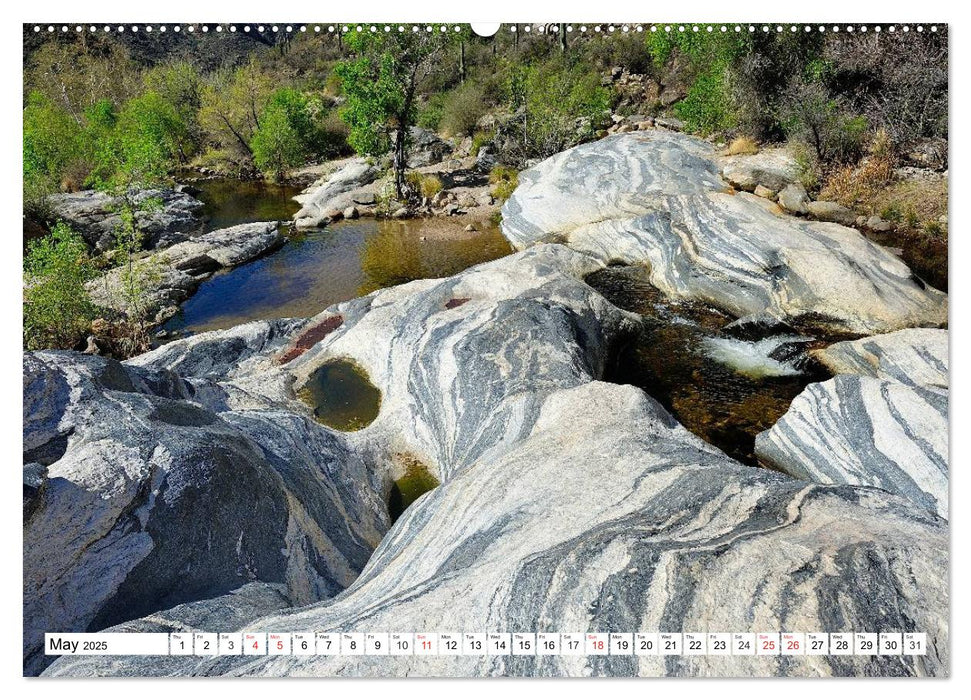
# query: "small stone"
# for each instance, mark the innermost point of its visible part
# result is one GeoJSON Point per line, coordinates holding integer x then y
{"type": "Point", "coordinates": [875, 223]}
{"type": "Point", "coordinates": [645, 125]}
{"type": "Point", "coordinates": [793, 198]}
{"type": "Point", "coordinates": [351, 213]}
{"type": "Point", "coordinates": [335, 214]}
{"type": "Point", "coordinates": [670, 123]}
{"type": "Point", "coordinates": [471, 227]}
{"type": "Point", "coordinates": [831, 211]}
{"type": "Point", "coordinates": [401, 213]}
{"type": "Point", "coordinates": [762, 191]}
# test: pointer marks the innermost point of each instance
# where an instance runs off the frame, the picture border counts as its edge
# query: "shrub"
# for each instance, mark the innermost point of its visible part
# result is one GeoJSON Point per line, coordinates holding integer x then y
{"type": "Point", "coordinates": [480, 139]}
{"type": "Point", "coordinates": [285, 133]}
{"type": "Point", "coordinates": [743, 145]}
{"type": "Point", "coordinates": [462, 109]}
{"type": "Point", "coordinates": [52, 141]}
{"type": "Point", "coordinates": [859, 184]}
{"type": "Point", "coordinates": [824, 122]}
{"type": "Point", "coordinates": [430, 116]}
{"type": "Point", "coordinates": [57, 309]}
{"type": "Point", "coordinates": [707, 106]}
{"type": "Point", "coordinates": [562, 105]}
{"type": "Point", "coordinates": [504, 181]}
{"type": "Point", "coordinates": [426, 185]}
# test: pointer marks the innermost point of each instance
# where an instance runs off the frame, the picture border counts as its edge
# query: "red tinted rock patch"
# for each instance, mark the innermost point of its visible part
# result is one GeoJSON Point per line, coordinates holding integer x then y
{"type": "Point", "coordinates": [309, 338]}
{"type": "Point", "coordinates": [456, 302]}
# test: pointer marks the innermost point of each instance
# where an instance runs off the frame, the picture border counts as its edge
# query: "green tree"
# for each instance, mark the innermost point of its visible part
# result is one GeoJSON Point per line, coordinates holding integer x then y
{"type": "Point", "coordinates": [52, 141]}
{"type": "Point", "coordinates": [285, 135]}
{"type": "Point", "coordinates": [381, 82]}
{"type": "Point", "coordinates": [57, 308]}
{"type": "Point", "coordinates": [230, 105]}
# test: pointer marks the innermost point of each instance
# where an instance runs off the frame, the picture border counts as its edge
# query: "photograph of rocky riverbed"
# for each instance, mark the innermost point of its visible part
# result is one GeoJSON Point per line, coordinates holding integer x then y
{"type": "Point", "coordinates": [627, 329]}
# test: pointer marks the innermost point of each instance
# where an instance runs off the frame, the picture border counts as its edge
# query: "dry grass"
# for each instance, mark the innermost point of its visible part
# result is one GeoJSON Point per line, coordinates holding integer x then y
{"type": "Point", "coordinates": [914, 204]}
{"type": "Point", "coordinates": [426, 185]}
{"type": "Point", "coordinates": [856, 186]}
{"type": "Point", "coordinates": [742, 146]}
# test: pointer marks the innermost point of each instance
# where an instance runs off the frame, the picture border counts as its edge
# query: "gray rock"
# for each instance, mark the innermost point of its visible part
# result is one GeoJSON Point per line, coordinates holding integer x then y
{"type": "Point", "coordinates": [337, 192]}
{"type": "Point", "coordinates": [863, 431]}
{"type": "Point", "coordinates": [914, 356]}
{"type": "Point", "coordinates": [831, 211]}
{"type": "Point", "coordinates": [173, 275]}
{"type": "Point", "coordinates": [669, 123]}
{"type": "Point", "coordinates": [793, 198]}
{"type": "Point", "coordinates": [351, 213]}
{"type": "Point", "coordinates": [655, 198]}
{"type": "Point", "coordinates": [764, 192]}
{"type": "Point", "coordinates": [94, 215]}
{"type": "Point", "coordinates": [426, 148]}
{"type": "Point", "coordinates": [773, 168]}
{"type": "Point", "coordinates": [461, 382]}
{"type": "Point", "coordinates": [671, 535]}
{"type": "Point", "coordinates": [875, 223]}
{"type": "Point", "coordinates": [149, 497]}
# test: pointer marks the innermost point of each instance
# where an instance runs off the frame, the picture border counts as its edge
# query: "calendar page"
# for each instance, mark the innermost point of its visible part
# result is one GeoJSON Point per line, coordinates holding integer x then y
{"type": "Point", "coordinates": [382, 349]}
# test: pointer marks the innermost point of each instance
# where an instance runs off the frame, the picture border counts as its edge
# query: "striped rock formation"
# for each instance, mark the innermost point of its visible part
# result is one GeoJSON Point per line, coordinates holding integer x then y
{"type": "Point", "coordinates": [656, 198]}
{"type": "Point", "coordinates": [611, 516]}
{"type": "Point", "coordinates": [883, 421]}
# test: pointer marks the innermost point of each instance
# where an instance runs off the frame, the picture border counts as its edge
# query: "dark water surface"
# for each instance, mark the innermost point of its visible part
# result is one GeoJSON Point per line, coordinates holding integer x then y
{"type": "Point", "coordinates": [318, 268]}
{"type": "Point", "coordinates": [342, 396]}
{"type": "Point", "coordinates": [722, 389]}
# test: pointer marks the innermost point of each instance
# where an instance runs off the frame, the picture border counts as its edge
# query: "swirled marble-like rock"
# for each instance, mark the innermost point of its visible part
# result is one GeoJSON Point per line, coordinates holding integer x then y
{"type": "Point", "coordinates": [861, 430]}
{"type": "Point", "coordinates": [913, 356]}
{"type": "Point", "coordinates": [464, 363]}
{"type": "Point", "coordinates": [610, 516]}
{"type": "Point", "coordinates": [772, 168]}
{"type": "Point", "coordinates": [150, 499]}
{"type": "Point", "coordinates": [655, 198]}
{"type": "Point", "coordinates": [336, 193]}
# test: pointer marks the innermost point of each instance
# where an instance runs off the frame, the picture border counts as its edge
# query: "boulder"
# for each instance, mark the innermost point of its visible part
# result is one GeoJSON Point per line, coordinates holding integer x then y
{"type": "Point", "coordinates": [459, 383]}
{"type": "Point", "coordinates": [94, 215]}
{"type": "Point", "coordinates": [655, 198]}
{"type": "Point", "coordinates": [793, 198]}
{"type": "Point", "coordinates": [914, 357]}
{"type": "Point", "coordinates": [426, 148]}
{"type": "Point", "coordinates": [173, 275]}
{"type": "Point", "coordinates": [831, 211]}
{"type": "Point", "coordinates": [155, 494]}
{"type": "Point", "coordinates": [865, 431]}
{"type": "Point", "coordinates": [671, 535]}
{"type": "Point", "coordinates": [772, 168]}
{"type": "Point", "coordinates": [338, 193]}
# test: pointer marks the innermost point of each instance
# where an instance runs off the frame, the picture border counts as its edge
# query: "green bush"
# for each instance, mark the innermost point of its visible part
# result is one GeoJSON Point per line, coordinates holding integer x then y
{"type": "Point", "coordinates": [57, 309]}
{"type": "Point", "coordinates": [504, 181]}
{"type": "Point", "coordinates": [462, 109]}
{"type": "Point", "coordinates": [52, 141]}
{"type": "Point", "coordinates": [430, 116]}
{"type": "Point", "coordinates": [707, 107]}
{"type": "Point", "coordinates": [811, 115]}
{"type": "Point", "coordinates": [285, 133]}
{"type": "Point", "coordinates": [562, 105]}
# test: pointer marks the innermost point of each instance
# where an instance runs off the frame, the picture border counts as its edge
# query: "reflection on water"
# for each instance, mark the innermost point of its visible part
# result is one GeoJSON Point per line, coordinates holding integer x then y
{"type": "Point", "coordinates": [231, 202]}
{"type": "Point", "coordinates": [342, 396]}
{"type": "Point", "coordinates": [318, 268]}
{"type": "Point", "coordinates": [724, 390]}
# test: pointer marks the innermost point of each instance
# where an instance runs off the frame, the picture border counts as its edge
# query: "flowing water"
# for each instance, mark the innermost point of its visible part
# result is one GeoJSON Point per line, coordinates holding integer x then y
{"type": "Point", "coordinates": [723, 389]}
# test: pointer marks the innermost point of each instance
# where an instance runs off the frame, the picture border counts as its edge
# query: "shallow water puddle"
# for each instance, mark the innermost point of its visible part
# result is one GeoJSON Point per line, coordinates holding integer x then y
{"type": "Point", "coordinates": [318, 268]}
{"type": "Point", "coordinates": [723, 389]}
{"type": "Point", "coordinates": [417, 480]}
{"type": "Point", "coordinates": [342, 396]}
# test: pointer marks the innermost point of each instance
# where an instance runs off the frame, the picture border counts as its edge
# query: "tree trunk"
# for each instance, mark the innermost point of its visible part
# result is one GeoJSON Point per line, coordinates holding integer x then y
{"type": "Point", "coordinates": [398, 160]}
{"type": "Point", "coordinates": [562, 32]}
